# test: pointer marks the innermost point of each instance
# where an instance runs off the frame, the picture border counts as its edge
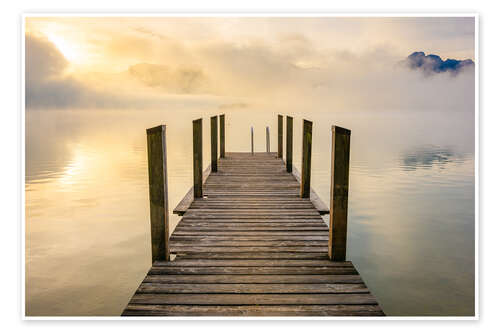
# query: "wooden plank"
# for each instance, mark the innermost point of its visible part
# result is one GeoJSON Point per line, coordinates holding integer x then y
{"type": "Point", "coordinates": [305, 184]}
{"type": "Point", "coordinates": [248, 288]}
{"type": "Point", "coordinates": [252, 263]}
{"type": "Point", "coordinates": [222, 133]}
{"type": "Point", "coordinates": [226, 249]}
{"type": "Point", "coordinates": [280, 136]}
{"type": "Point", "coordinates": [268, 143]}
{"type": "Point", "coordinates": [213, 143]}
{"type": "Point", "coordinates": [252, 310]}
{"type": "Point", "coordinates": [281, 278]}
{"type": "Point", "coordinates": [341, 138]}
{"type": "Point", "coordinates": [235, 270]}
{"type": "Point", "coordinates": [197, 158]}
{"type": "Point", "coordinates": [289, 143]}
{"type": "Point", "coordinates": [158, 192]}
{"type": "Point", "coordinates": [254, 255]}
{"type": "Point", "coordinates": [253, 299]}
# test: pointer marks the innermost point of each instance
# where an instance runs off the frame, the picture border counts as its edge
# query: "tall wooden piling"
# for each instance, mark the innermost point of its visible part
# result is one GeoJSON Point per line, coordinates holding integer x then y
{"type": "Point", "coordinates": [280, 136]}
{"type": "Point", "coordinates": [158, 192]}
{"type": "Point", "coordinates": [268, 143]}
{"type": "Point", "coordinates": [251, 138]}
{"type": "Point", "coordinates": [339, 190]}
{"type": "Point", "coordinates": [305, 184]}
{"type": "Point", "coordinates": [197, 158]}
{"type": "Point", "coordinates": [222, 140]}
{"type": "Point", "coordinates": [289, 143]}
{"type": "Point", "coordinates": [213, 141]}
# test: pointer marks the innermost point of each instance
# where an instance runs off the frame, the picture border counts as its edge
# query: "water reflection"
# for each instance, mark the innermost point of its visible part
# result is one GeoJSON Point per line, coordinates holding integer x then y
{"type": "Point", "coordinates": [411, 205]}
{"type": "Point", "coordinates": [429, 155]}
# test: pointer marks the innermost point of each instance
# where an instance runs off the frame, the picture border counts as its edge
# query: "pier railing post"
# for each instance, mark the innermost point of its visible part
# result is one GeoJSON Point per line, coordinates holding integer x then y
{"type": "Point", "coordinates": [158, 192]}
{"type": "Point", "coordinates": [222, 120]}
{"type": "Point", "coordinates": [197, 158]}
{"type": "Point", "coordinates": [339, 189]}
{"type": "Point", "coordinates": [280, 136]}
{"type": "Point", "coordinates": [289, 143]}
{"type": "Point", "coordinates": [213, 141]}
{"type": "Point", "coordinates": [251, 138]}
{"type": "Point", "coordinates": [305, 184]}
{"type": "Point", "coordinates": [268, 148]}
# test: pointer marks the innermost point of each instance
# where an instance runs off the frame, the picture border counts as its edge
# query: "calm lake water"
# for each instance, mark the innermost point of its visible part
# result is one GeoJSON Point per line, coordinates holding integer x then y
{"type": "Point", "coordinates": [411, 202]}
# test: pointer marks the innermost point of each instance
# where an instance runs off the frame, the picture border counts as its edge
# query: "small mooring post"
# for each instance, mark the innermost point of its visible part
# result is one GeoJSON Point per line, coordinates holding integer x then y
{"type": "Point", "coordinates": [289, 143]}
{"type": "Point", "coordinates": [280, 136]}
{"type": "Point", "coordinates": [305, 184]}
{"type": "Point", "coordinates": [158, 192]}
{"type": "Point", "coordinates": [197, 158]}
{"type": "Point", "coordinates": [213, 141]}
{"type": "Point", "coordinates": [222, 120]}
{"type": "Point", "coordinates": [339, 188]}
{"type": "Point", "coordinates": [268, 148]}
{"type": "Point", "coordinates": [251, 138]}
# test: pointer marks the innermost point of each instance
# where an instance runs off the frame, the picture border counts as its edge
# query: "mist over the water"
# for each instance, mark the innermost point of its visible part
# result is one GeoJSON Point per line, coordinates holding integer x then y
{"type": "Point", "coordinates": [93, 86]}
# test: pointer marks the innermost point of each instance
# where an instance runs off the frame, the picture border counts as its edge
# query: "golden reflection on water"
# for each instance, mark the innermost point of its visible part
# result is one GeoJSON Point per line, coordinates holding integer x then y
{"type": "Point", "coordinates": [411, 208]}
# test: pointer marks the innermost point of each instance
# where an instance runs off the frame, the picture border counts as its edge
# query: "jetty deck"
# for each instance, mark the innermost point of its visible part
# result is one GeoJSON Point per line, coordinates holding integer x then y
{"type": "Point", "coordinates": [251, 246]}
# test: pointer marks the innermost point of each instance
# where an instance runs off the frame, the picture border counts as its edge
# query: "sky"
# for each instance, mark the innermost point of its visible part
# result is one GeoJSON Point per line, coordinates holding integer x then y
{"type": "Point", "coordinates": [329, 64]}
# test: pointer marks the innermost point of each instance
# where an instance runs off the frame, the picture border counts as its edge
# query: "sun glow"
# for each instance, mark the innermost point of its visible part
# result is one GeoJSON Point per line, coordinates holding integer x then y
{"type": "Point", "coordinates": [71, 51]}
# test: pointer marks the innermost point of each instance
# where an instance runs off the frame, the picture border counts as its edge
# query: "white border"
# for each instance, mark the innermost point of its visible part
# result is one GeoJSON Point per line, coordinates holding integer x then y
{"type": "Point", "coordinates": [270, 14]}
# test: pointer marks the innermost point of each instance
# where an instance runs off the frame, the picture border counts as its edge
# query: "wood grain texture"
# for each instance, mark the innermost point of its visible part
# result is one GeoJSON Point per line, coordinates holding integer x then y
{"type": "Point", "coordinates": [222, 134]}
{"type": "Point", "coordinates": [197, 158]}
{"type": "Point", "coordinates": [158, 192]}
{"type": "Point", "coordinates": [252, 247]}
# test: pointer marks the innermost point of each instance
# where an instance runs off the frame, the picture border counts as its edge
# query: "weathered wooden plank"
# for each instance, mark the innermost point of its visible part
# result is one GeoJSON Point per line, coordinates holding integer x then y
{"type": "Point", "coordinates": [252, 270]}
{"type": "Point", "coordinates": [253, 255]}
{"type": "Point", "coordinates": [280, 136]}
{"type": "Point", "coordinates": [158, 192]}
{"type": "Point", "coordinates": [252, 263]}
{"type": "Point", "coordinates": [252, 310]}
{"type": "Point", "coordinates": [289, 143]}
{"type": "Point", "coordinates": [275, 278]}
{"type": "Point", "coordinates": [197, 238]}
{"type": "Point", "coordinates": [213, 143]}
{"type": "Point", "coordinates": [248, 288]}
{"type": "Point", "coordinates": [222, 133]}
{"type": "Point", "coordinates": [341, 138]}
{"type": "Point", "coordinates": [210, 243]}
{"type": "Point", "coordinates": [253, 299]}
{"type": "Point", "coordinates": [195, 249]}
{"type": "Point", "coordinates": [197, 158]}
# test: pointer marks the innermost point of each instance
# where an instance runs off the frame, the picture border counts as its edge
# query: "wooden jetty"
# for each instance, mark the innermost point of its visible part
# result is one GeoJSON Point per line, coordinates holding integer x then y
{"type": "Point", "coordinates": [251, 241]}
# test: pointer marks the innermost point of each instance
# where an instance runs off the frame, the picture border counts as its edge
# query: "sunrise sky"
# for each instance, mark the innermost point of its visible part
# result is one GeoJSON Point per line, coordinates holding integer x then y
{"type": "Point", "coordinates": [328, 64]}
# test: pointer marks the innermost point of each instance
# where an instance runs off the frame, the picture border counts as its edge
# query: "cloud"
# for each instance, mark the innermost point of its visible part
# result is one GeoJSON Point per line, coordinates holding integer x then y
{"type": "Point", "coordinates": [290, 74]}
{"type": "Point", "coordinates": [50, 86]}
{"type": "Point", "coordinates": [233, 106]}
{"type": "Point", "coordinates": [182, 80]}
{"type": "Point", "coordinates": [431, 64]}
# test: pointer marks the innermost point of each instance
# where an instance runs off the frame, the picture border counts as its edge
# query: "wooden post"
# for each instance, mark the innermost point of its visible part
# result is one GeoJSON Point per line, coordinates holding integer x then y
{"type": "Point", "coordinates": [305, 184]}
{"type": "Point", "coordinates": [222, 120]}
{"type": "Point", "coordinates": [339, 188]}
{"type": "Point", "coordinates": [280, 136]}
{"type": "Point", "coordinates": [251, 138]}
{"type": "Point", "coordinates": [289, 143]}
{"type": "Point", "coordinates": [268, 148]}
{"type": "Point", "coordinates": [158, 192]}
{"type": "Point", "coordinates": [213, 141]}
{"type": "Point", "coordinates": [197, 158]}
